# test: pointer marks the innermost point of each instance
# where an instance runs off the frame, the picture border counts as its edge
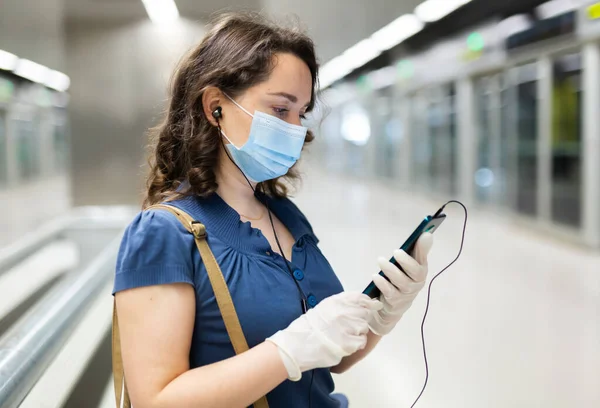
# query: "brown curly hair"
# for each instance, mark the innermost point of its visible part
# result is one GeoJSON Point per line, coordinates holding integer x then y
{"type": "Point", "coordinates": [237, 53]}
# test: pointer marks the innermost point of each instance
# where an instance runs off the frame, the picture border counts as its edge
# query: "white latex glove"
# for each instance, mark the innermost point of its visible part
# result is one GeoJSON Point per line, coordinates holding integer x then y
{"type": "Point", "coordinates": [334, 329]}
{"type": "Point", "coordinates": [398, 296]}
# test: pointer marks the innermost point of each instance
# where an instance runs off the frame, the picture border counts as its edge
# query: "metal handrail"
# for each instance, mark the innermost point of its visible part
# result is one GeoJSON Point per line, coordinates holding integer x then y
{"type": "Point", "coordinates": [16, 253]}
{"type": "Point", "coordinates": [80, 218]}
{"type": "Point", "coordinates": [29, 347]}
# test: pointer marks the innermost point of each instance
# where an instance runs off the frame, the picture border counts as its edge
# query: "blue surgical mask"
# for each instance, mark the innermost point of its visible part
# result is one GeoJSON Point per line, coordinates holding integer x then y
{"type": "Point", "coordinates": [273, 147]}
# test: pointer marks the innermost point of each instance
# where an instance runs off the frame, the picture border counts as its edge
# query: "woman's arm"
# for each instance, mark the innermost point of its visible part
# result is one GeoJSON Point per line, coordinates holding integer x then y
{"type": "Point", "coordinates": [351, 360]}
{"type": "Point", "coordinates": [156, 325]}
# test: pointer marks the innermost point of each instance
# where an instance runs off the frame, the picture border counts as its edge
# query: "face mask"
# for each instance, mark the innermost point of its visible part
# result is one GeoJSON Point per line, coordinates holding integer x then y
{"type": "Point", "coordinates": [273, 147]}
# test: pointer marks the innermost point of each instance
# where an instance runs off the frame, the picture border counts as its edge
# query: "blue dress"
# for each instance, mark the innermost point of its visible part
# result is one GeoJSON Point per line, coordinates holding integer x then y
{"type": "Point", "coordinates": [156, 249]}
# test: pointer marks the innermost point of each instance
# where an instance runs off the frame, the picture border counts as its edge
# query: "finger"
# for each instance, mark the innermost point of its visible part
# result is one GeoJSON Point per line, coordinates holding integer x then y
{"type": "Point", "coordinates": [370, 304]}
{"type": "Point", "coordinates": [409, 265]}
{"type": "Point", "coordinates": [355, 343]}
{"type": "Point", "coordinates": [386, 288]}
{"type": "Point", "coordinates": [423, 247]}
{"type": "Point", "coordinates": [395, 275]}
{"type": "Point", "coordinates": [364, 329]}
{"type": "Point", "coordinates": [358, 314]}
{"type": "Point", "coordinates": [355, 325]}
{"type": "Point", "coordinates": [352, 298]}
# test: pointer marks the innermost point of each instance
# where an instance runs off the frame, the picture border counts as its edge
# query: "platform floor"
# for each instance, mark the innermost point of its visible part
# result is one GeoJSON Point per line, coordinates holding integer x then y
{"type": "Point", "coordinates": [515, 323]}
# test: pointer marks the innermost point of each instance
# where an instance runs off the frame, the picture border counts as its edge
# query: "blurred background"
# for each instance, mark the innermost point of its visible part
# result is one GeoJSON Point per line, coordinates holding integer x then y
{"type": "Point", "coordinates": [495, 103]}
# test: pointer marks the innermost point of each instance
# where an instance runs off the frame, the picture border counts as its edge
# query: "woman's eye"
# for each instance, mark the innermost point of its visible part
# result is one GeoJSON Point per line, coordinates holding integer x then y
{"type": "Point", "coordinates": [280, 111]}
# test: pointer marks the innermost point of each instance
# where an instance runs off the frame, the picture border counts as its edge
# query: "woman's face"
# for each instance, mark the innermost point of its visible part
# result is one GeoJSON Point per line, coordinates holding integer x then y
{"type": "Point", "coordinates": [285, 95]}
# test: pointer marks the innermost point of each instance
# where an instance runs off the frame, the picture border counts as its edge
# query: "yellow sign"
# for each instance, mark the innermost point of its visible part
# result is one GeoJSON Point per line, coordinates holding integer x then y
{"type": "Point", "coordinates": [470, 55]}
{"type": "Point", "coordinates": [594, 11]}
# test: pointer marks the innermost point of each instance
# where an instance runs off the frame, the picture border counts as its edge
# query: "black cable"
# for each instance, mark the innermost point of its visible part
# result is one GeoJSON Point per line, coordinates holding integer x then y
{"type": "Point", "coordinates": [462, 241]}
{"type": "Point", "coordinates": [303, 300]}
{"type": "Point", "coordinates": [287, 263]}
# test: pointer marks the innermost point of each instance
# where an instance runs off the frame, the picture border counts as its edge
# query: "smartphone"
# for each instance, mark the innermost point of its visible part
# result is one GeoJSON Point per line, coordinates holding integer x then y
{"type": "Point", "coordinates": [430, 224]}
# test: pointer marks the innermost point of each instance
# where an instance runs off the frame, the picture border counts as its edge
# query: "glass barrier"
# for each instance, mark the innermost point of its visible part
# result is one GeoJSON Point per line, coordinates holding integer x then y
{"type": "Point", "coordinates": [567, 95]}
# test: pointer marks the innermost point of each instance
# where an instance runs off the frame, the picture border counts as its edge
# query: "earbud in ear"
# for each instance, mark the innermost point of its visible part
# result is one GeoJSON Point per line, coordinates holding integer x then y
{"type": "Point", "coordinates": [217, 113]}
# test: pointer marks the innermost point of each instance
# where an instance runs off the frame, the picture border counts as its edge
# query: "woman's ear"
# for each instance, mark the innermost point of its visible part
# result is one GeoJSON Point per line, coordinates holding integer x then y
{"type": "Point", "coordinates": [211, 100]}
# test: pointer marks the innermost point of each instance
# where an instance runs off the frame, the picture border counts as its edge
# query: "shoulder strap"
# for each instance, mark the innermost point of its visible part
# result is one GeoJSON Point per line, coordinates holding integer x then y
{"type": "Point", "coordinates": [117, 364]}
{"type": "Point", "coordinates": [223, 297]}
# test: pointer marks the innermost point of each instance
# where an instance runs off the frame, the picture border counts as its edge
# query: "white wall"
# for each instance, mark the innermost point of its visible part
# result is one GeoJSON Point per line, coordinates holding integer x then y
{"type": "Point", "coordinates": [119, 79]}
{"type": "Point", "coordinates": [33, 29]}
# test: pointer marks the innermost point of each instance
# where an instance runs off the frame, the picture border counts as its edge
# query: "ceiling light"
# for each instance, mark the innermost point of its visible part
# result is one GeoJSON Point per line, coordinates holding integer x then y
{"type": "Point", "coordinates": [31, 70]}
{"type": "Point", "coordinates": [384, 39]}
{"type": "Point", "coordinates": [332, 71]}
{"type": "Point", "coordinates": [8, 61]}
{"type": "Point", "coordinates": [57, 80]}
{"type": "Point", "coordinates": [161, 11]}
{"type": "Point", "coordinates": [361, 53]}
{"type": "Point", "coordinates": [434, 10]}
{"type": "Point", "coordinates": [397, 31]}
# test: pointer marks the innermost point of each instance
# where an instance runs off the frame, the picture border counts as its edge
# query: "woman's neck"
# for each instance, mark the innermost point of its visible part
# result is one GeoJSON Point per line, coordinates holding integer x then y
{"type": "Point", "coordinates": [234, 189]}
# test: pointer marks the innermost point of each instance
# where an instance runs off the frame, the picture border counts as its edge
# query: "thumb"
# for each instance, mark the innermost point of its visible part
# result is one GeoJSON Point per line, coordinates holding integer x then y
{"type": "Point", "coordinates": [423, 247]}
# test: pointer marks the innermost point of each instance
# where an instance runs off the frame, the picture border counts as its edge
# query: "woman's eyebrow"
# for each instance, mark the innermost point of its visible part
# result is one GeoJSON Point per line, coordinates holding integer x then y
{"type": "Point", "coordinates": [290, 97]}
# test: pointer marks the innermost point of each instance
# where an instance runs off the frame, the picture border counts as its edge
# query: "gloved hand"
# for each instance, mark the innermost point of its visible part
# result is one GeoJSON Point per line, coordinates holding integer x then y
{"type": "Point", "coordinates": [335, 328]}
{"type": "Point", "coordinates": [398, 296]}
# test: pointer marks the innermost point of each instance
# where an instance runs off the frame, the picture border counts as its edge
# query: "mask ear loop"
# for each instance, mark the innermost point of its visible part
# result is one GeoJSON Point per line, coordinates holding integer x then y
{"type": "Point", "coordinates": [229, 140]}
{"type": "Point", "coordinates": [303, 300]}
{"type": "Point", "coordinates": [238, 105]}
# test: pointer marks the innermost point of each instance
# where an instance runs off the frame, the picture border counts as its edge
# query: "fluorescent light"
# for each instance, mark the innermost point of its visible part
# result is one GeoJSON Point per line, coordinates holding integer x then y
{"type": "Point", "coordinates": [397, 31]}
{"type": "Point", "coordinates": [386, 38]}
{"type": "Point", "coordinates": [334, 70]}
{"type": "Point", "coordinates": [8, 61]}
{"type": "Point", "coordinates": [434, 10]}
{"type": "Point", "coordinates": [361, 53]}
{"type": "Point", "coordinates": [354, 57]}
{"type": "Point", "coordinates": [161, 11]}
{"type": "Point", "coordinates": [31, 70]}
{"type": "Point", "coordinates": [57, 80]}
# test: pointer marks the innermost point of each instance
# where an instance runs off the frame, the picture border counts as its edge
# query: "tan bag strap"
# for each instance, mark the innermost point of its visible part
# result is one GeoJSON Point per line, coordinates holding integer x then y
{"type": "Point", "coordinates": [222, 295]}
{"type": "Point", "coordinates": [117, 364]}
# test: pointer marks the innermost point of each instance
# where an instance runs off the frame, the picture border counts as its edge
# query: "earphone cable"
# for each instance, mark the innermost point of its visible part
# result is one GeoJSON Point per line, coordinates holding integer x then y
{"type": "Point", "coordinates": [303, 300]}
{"type": "Point", "coordinates": [462, 241]}
{"type": "Point", "coordinates": [287, 263]}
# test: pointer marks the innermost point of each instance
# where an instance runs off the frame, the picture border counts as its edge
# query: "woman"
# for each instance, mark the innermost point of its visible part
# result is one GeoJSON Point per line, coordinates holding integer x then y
{"type": "Point", "coordinates": [233, 126]}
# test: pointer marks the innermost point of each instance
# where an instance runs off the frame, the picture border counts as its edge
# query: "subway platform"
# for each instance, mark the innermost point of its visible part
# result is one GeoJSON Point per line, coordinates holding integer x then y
{"type": "Point", "coordinates": [514, 323]}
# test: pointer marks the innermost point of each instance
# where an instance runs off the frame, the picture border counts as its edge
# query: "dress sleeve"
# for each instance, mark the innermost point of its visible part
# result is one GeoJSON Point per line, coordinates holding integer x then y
{"type": "Point", "coordinates": [155, 250]}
